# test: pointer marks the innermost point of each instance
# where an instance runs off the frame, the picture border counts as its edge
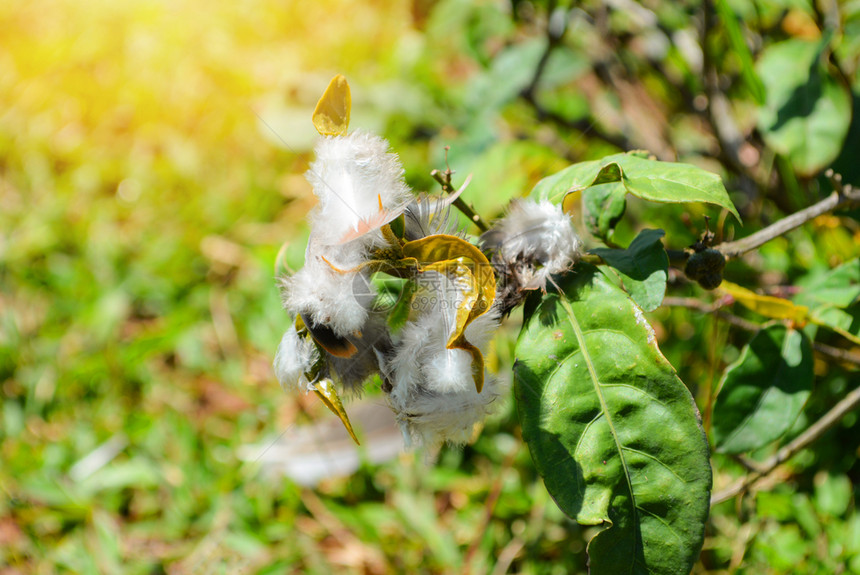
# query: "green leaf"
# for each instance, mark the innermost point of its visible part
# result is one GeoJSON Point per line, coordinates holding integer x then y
{"type": "Point", "coordinates": [807, 111]}
{"type": "Point", "coordinates": [612, 430]}
{"type": "Point", "coordinates": [845, 322]}
{"type": "Point", "coordinates": [764, 391]}
{"type": "Point", "coordinates": [834, 299]}
{"type": "Point", "coordinates": [839, 287]}
{"type": "Point", "coordinates": [643, 267]}
{"type": "Point", "coordinates": [833, 494]}
{"type": "Point", "coordinates": [603, 206]}
{"type": "Point", "coordinates": [651, 180]}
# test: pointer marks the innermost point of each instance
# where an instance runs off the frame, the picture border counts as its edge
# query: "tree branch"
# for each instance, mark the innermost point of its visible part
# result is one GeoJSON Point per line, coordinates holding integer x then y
{"type": "Point", "coordinates": [529, 93]}
{"type": "Point", "coordinates": [843, 196]}
{"type": "Point", "coordinates": [837, 353]}
{"type": "Point", "coordinates": [815, 431]}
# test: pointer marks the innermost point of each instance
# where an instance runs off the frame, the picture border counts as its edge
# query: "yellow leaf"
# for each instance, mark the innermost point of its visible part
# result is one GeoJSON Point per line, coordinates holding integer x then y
{"type": "Point", "coordinates": [463, 278]}
{"type": "Point", "coordinates": [469, 269]}
{"type": "Point", "coordinates": [768, 306]}
{"type": "Point", "coordinates": [326, 391]}
{"type": "Point", "coordinates": [570, 201]}
{"type": "Point", "coordinates": [442, 247]}
{"type": "Point", "coordinates": [331, 116]}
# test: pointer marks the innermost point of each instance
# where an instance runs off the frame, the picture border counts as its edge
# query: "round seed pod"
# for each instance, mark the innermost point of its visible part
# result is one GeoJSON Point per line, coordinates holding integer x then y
{"type": "Point", "coordinates": [706, 268]}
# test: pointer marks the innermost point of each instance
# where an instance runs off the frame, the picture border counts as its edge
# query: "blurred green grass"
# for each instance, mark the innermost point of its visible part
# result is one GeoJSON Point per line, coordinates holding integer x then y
{"type": "Point", "coordinates": [150, 168]}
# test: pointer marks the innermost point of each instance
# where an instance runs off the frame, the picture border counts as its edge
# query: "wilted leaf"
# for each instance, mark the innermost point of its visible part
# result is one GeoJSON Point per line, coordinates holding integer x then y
{"type": "Point", "coordinates": [643, 268]}
{"type": "Point", "coordinates": [764, 391]}
{"type": "Point", "coordinates": [326, 391]}
{"type": "Point", "coordinates": [768, 306]}
{"type": "Point", "coordinates": [807, 111]}
{"type": "Point", "coordinates": [612, 430]}
{"type": "Point", "coordinates": [464, 280]}
{"type": "Point", "coordinates": [331, 115]}
{"type": "Point", "coordinates": [647, 179]}
{"type": "Point", "coordinates": [469, 269]}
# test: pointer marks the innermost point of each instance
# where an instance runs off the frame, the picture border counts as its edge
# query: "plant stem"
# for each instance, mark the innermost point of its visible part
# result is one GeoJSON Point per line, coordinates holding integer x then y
{"type": "Point", "coordinates": [529, 93]}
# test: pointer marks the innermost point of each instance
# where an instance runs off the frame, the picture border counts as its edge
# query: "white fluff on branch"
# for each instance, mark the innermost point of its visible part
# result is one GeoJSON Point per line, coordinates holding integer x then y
{"type": "Point", "coordinates": [537, 234]}
{"type": "Point", "coordinates": [326, 296]}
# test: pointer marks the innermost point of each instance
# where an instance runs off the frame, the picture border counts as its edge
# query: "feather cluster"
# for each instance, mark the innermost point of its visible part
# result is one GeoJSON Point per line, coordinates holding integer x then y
{"type": "Point", "coordinates": [429, 383]}
{"type": "Point", "coordinates": [533, 241]}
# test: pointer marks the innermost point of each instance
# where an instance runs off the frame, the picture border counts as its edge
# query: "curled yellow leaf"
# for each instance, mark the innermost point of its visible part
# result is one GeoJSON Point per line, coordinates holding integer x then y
{"type": "Point", "coordinates": [468, 268]}
{"type": "Point", "coordinates": [442, 247]}
{"type": "Point", "coordinates": [331, 115]}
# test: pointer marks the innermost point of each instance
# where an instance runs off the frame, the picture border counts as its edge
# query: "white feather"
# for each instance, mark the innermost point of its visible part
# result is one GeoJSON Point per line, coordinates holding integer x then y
{"type": "Point", "coordinates": [295, 357]}
{"type": "Point", "coordinates": [326, 296]}
{"type": "Point", "coordinates": [350, 176]}
{"type": "Point", "coordinates": [427, 216]}
{"type": "Point", "coordinates": [433, 391]}
{"type": "Point", "coordinates": [538, 233]}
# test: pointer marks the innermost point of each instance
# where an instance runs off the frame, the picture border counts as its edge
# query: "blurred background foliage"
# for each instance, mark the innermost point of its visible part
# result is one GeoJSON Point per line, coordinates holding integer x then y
{"type": "Point", "coordinates": [151, 166]}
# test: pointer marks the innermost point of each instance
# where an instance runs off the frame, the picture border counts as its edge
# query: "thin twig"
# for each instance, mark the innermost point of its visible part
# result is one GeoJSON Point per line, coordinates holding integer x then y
{"type": "Point", "coordinates": [837, 353]}
{"type": "Point", "coordinates": [553, 38]}
{"type": "Point", "coordinates": [718, 108]}
{"type": "Point", "coordinates": [815, 431]}
{"type": "Point", "coordinates": [843, 196]}
{"type": "Point", "coordinates": [529, 93]}
{"type": "Point", "coordinates": [444, 179]}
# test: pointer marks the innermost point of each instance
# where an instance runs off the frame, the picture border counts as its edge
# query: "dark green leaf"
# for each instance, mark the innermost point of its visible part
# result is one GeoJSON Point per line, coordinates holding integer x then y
{"type": "Point", "coordinates": [611, 428]}
{"type": "Point", "coordinates": [643, 268]}
{"type": "Point", "coordinates": [807, 111]}
{"type": "Point", "coordinates": [764, 391]}
{"type": "Point", "coordinates": [651, 180]}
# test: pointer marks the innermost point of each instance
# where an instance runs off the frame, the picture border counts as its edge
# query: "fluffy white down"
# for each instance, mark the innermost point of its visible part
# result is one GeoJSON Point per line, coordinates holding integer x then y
{"type": "Point", "coordinates": [350, 175]}
{"type": "Point", "coordinates": [295, 357]}
{"type": "Point", "coordinates": [433, 419]}
{"type": "Point", "coordinates": [433, 391]}
{"type": "Point", "coordinates": [326, 296]}
{"type": "Point", "coordinates": [539, 232]}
